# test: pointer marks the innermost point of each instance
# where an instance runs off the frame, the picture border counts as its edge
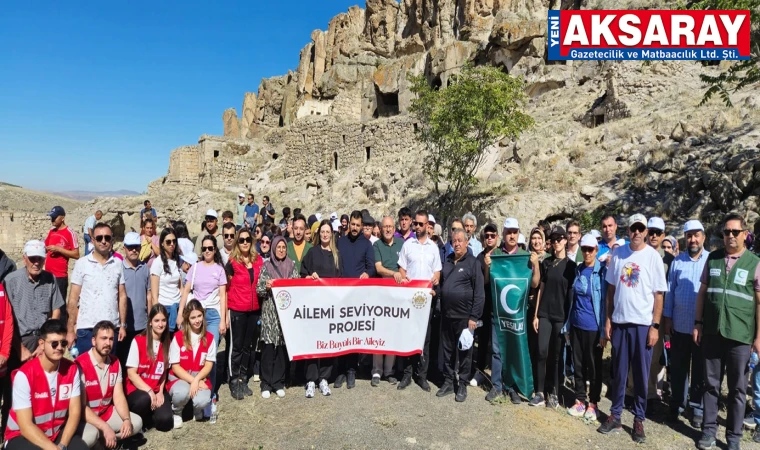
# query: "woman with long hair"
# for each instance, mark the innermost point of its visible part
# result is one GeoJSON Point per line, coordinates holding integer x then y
{"type": "Point", "coordinates": [243, 269]}
{"type": "Point", "coordinates": [165, 280]}
{"type": "Point", "coordinates": [146, 372]}
{"type": "Point", "coordinates": [273, 357]}
{"type": "Point", "coordinates": [192, 355]}
{"type": "Point", "coordinates": [184, 244]}
{"type": "Point", "coordinates": [535, 245]}
{"type": "Point", "coordinates": [207, 282]}
{"type": "Point", "coordinates": [321, 261]}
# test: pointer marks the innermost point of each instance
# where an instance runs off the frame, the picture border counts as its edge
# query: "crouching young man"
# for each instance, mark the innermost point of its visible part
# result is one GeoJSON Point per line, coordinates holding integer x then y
{"type": "Point", "coordinates": [106, 412]}
{"type": "Point", "coordinates": [46, 404]}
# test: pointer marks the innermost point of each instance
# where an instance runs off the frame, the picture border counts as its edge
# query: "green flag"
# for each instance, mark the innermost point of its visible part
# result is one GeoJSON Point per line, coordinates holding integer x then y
{"type": "Point", "coordinates": [510, 283]}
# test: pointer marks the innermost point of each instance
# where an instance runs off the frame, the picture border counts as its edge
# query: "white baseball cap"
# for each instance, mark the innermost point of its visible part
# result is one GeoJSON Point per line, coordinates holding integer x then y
{"type": "Point", "coordinates": [466, 339]}
{"type": "Point", "coordinates": [191, 258]}
{"type": "Point", "coordinates": [431, 218]}
{"type": "Point", "coordinates": [657, 223]}
{"type": "Point", "coordinates": [132, 238]}
{"type": "Point", "coordinates": [318, 216]}
{"type": "Point", "coordinates": [241, 195]}
{"type": "Point", "coordinates": [693, 225]}
{"type": "Point", "coordinates": [588, 240]}
{"type": "Point", "coordinates": [638, 218]}
{"type": "Point", "coordinates": [520, 239]}
{"type": "Point", "coordinates": [336, 225]}
{"type": "Point", "coordinates": [595, 233]}
{"type": "Point", "coordinates": [35, 248]}
{"type": "Point", "coordinates": [212, 213]}
{"type": "Point", "coordinates": [511, 224]}
{"type": "Point", "coordinates": [333, 216]}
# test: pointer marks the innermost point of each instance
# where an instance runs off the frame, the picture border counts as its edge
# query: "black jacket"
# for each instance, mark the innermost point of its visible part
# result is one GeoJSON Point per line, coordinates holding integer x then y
{"type": "Point", "coordinates": [462, 293]}
{"type": "Point", "coordinates": [6, 266]}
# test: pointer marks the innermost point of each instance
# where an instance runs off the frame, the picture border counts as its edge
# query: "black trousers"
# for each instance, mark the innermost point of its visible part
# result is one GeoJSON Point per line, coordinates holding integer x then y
{"type": "Point", "coordinates": [319, 369]}
{"type": "Point", "coordinates": [549, 351]}
{"type": "Point", "coordinates": [273, 366]}
{"type": "Point", "coordinates": [22, 443]}
{"type": "Point", "coordinates": [587, 359]}
{"type": "Point", "coordinates": [63, 288]}
{"type": "Point", "coordinates": [421, 361]}
{"type": "Point", "coordinates": [244, 332]}
{"type": "Point", "coordinates": [346, 363]}
{"type": "Point", "coordinates": [161, 417]}
{"type": "Point", "coordinates": [685, 355]}
{"type": "Point", "coordinates": [736, 354]}
{"type": "Point", "coordinates": [483, 335]}
{"type": "Point", "coordinates": [532, 343]}
{"type": "Point", "coordinates": [451, 329]}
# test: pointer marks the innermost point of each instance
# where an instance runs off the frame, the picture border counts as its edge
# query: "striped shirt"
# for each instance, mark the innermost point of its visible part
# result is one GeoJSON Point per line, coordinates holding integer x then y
{"type": "Point", "coordinates": [32, 301]}
{"type": "Point", "coordinates": [683, 286]}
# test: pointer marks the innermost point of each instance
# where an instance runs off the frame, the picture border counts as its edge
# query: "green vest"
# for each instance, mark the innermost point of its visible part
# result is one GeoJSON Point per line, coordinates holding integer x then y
{"type": "Point", "coordinates": [730, 301]}
{"type": "Point", "coordinates": [292, 254]}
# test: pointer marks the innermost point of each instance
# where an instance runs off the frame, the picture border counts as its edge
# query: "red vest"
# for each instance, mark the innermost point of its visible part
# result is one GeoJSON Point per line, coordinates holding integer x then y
{"type": "Point", "coordinates": [192, 364]}
{"type": "Point", "coordinates": [152, 372]}
{"type": "Point", "coordinates": [3, 304]}
{"type": "Point", "coordinates": [241, 292]}
{"type": "Point", "coordinates": [48, 417]}
{"type": "Point", "coordinates": [101, 404]}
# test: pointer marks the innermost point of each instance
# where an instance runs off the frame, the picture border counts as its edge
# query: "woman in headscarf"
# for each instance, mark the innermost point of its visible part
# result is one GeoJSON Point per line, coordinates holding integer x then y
{"type": "Point", "coordinates": [264, 246]}
{"type": "Point", "coordinates": [273, 358]}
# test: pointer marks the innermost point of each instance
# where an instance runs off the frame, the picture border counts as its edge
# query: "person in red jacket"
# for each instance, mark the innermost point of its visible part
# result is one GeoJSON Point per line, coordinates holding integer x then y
{"type": "Point", "coordinates": [192, 355]}
{"type": "Point", "coordinates": [6, 337]}
{"type": "Point", "coordinates": [46, 405]}
{"type": "Point", "coordinates": [147, 369]}
{"type": "Point", "coordinates": [106, 411]}
{"type": "Point", "coordinates": [243, 270]}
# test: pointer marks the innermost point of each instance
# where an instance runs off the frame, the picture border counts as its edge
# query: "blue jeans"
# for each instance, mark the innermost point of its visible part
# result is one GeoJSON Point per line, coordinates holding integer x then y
{"type": "Point", "coordinates": [755, 379]}
{"type": "Point", "coordinates": [495, 358]}
{"type": "Point", "coordinates": [213, 319]}
{"type": "Point", "coordinates": [172, 309]}
{"type": "Point", "coordinates": [86, 244]}
{"type": "Point", "coordinates": [84, 341]}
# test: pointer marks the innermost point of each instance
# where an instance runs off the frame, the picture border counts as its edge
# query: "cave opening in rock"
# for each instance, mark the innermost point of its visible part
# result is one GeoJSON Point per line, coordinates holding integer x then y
{"type": "Point", "coordinates": [368, 149]}
{"type": "Point", "coordinates": [282, 121]}
{"type": "Point", "coordinates": [335, 160]}
{"type": "Point", "coordinates": [275, 156]}
{"type": "Point", "coordinates": [437, 83]}
{"type": "Point", "coordinates": [216, 154]}
{"type": "Point", "coordinates": [387, 103]}
{"type": "Point", "coordinates": [598, 119]}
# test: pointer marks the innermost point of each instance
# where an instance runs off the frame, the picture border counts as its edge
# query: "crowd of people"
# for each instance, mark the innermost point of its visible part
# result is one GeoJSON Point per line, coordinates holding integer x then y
{"type": "Point", "coordinates": [157, 310]}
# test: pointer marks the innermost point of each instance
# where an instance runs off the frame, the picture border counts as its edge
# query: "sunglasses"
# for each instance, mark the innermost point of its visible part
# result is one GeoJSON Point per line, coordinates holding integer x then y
{"type": "Point", "coordinates": [638, 228]}
{"type": "Point", "coordinates": [265, 241]}
{"type": "Point", "coordinates": [655, 232]}
{"type": "Point", "coordinates": [63, 343]}
{"type": "Point", "coordinates": [169, 241]}
{"type": "Point", "coordinates": [132, 248]}
{"type": "Point", "coordinates": [208, 249]}
{"type": "Point", "coordinates": [36, 260]}
{"type": "Point", "coordinates": [587, 249]}
{"type": "Point", "coordinates": [419, 224]}
{"type": "Point", "coordinates": [735, 233]}
{"type": "Point", "coordinates": [229, 236]}
{"type": "Point", "coordinates": [104, 237]}
{"type": "Point", "coordinates": [491, 235]}
{"type": "Point", "coordinates": [245, 240]}
{"type": "Point", "coordinates": [210, 219]}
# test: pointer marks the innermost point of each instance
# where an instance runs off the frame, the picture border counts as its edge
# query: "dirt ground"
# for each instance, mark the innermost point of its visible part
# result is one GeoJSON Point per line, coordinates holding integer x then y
{"type": "Point", "coordinates": [385, 418]}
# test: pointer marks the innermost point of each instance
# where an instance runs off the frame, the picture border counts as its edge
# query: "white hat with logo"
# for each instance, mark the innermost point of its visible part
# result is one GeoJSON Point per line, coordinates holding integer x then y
{"type": "Point", "coordinates": [588, 240]}
{"type": "Point", "coordinates": [511, 224]}
{"type": "Point", "coordinates": [693, 225]}
{"type": "Point", "coordinates": [35, 248]}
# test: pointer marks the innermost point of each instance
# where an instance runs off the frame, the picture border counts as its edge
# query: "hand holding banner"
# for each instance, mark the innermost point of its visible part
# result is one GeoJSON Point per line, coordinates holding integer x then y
{"type": "Point", "coordinates": [335, 316]}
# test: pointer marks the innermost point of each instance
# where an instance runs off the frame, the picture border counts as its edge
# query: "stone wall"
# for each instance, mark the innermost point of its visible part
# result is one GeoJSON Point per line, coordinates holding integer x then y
{"type": "Point", "coordinates": [314, 108]}
{"type": "Point", "coordinates": [184, 165]}
{"type": "Point", "coordinates": [319, 145]}
{"type": "Point", "coordinates": [18, 227]}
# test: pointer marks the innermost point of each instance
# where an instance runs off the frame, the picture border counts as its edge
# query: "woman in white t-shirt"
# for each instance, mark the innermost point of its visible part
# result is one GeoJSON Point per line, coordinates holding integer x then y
{"type": "Point", "coordinates": [192, 355]}
{"type": "Point", "coordinates": [165, 277]}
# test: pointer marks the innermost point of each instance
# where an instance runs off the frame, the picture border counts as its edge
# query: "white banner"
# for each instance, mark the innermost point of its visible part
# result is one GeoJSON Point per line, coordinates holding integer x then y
{"type": "Point", "coordinates": [336, 316]}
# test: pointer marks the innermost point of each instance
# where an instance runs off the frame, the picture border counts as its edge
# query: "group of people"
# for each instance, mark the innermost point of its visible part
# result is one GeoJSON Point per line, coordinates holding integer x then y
{"type": "Point", "coordinates": [158, 310]}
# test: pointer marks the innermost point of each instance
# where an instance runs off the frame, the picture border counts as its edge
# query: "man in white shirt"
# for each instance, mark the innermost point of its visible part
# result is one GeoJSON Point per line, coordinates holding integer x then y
{"type": "Point", "coordinates": [636, 284]}
{"type": "Point", "coordinates": [420, 259]}
{"type": "Point", "coordinates": [97, 292]}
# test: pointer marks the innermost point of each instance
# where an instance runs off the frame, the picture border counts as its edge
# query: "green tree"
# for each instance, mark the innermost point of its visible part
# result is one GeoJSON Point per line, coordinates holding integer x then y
{"type": "Point", "coordinates": [742, 73]}
{"type": "Point", "coordinates": [479, 107]}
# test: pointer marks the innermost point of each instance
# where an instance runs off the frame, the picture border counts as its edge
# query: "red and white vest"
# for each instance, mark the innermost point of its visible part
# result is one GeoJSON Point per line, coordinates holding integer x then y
{"type": "Point", "coordinates": [47, 416]}
{"type": "Point", "coordinates": [192, 364]}
{"type": "Point", "coordinates": [152, 372]}
{"type": "Point", "coordinates": [101, 404]}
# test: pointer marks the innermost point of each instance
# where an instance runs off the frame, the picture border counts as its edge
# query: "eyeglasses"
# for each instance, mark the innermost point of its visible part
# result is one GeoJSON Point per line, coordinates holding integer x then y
{"type": "Point", "coordinates": [132, 248]}
{"type": "Point", "coordinates": [491, 235]}
{"type": "Point", "coordinates": [103, 237]}
{"type": "Point", "coordinates": [208, 249]}
{"type": "Point", "coordinates": [63, 343]}
{"type": "Point", "coordinates": [229, 236]}
{"type": "Point", "coordinates": [419, 224]}
{"type": "Point", "coordinates": [169, 241]}
{"type": "Point", "coordinates": [735, 233]}
{"type": "Point", "coordinates": [638, 228]}
{"type": "Point", "coordinates": [655, 232]}
{"type": "Point", "coordinates": [245, 240]}
{"type": "Point", "coordinates": [587, 249]}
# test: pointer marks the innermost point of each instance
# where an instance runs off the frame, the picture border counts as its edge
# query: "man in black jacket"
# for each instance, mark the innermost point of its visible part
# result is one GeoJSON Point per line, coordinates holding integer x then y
{"type": "Point", "coordinates": [462, 299]}
{"type": "Point", "coordinates": [6, 265]}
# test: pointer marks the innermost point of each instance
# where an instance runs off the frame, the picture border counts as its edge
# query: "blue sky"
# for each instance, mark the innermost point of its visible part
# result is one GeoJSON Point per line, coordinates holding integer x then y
{"type": "Point", "coordinates": [94, 95]}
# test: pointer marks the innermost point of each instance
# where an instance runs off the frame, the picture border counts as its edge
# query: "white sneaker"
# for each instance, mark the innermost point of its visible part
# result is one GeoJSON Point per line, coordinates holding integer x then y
{"type": "Point", "coordinates": [280, 393]}
{"type": "Point", "coordinates": [256, 379]}
{"type": "Point", "coordinates": [474, 382]}
{"type": "Point", "coordinates": [310, 389]}
{"type": "Point", "coordinates": [177, 421]}
{"type": "Point", "coordinates": [324, 388]}
{"type": "Point", "coordinates": [265, 394]}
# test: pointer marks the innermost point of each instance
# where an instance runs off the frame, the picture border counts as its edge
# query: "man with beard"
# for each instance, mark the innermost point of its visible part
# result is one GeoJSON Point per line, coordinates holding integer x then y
{"type": "Point", "coordinates": [211, 228]}
{"type": "Point", "coordinates": [357, 260]}
{"type": "Point", "coordinates": [46, 414]}
{"type": "Point", "coordinates": [725, 325]}
{"type": "Point", "coordinates": [298, 246]}
{"type": "Point", "coordinates": [106, 412]}
{"type": "Point", "coordinates": [420, 260]}
{"type": "Point", "coordinates": [678, 313]}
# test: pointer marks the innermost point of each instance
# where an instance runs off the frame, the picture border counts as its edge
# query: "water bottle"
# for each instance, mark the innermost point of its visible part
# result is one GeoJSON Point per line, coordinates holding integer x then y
{"type": "Point", "coordinates": [74, 352]}
{"type": "Point", "coordinates": [753, 360]}
{"type": "Point", "coordinates": [479, 324]}
{"type": "Point", "coordinates": [214, 411]}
